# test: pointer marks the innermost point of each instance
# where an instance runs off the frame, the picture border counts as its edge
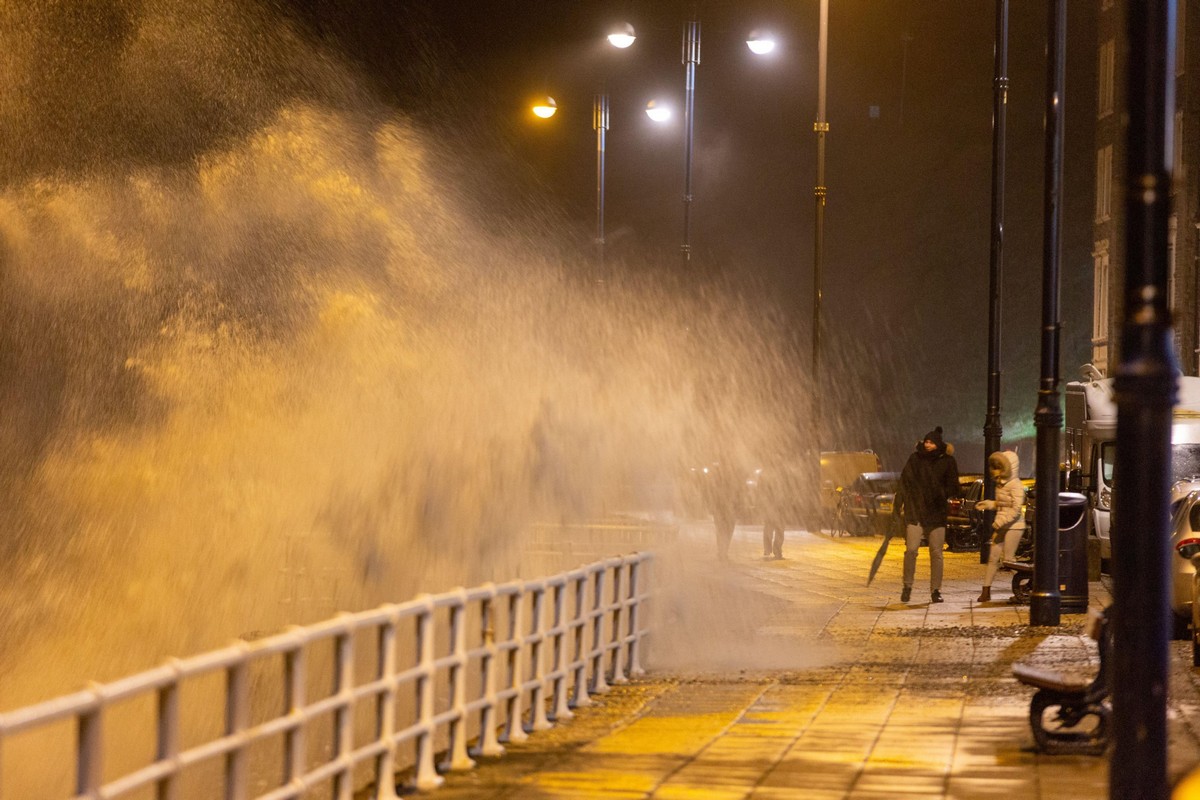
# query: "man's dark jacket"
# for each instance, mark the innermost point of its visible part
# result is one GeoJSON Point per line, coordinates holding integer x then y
{"type": "Point", "coordinates": [926, 483]}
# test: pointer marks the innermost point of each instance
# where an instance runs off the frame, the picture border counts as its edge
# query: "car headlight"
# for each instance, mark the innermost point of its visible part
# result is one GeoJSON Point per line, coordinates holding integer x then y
{"type": "Point", "coordinates": [1106, 498]}
{"type": "Point", "coordinates": [1186, 548]}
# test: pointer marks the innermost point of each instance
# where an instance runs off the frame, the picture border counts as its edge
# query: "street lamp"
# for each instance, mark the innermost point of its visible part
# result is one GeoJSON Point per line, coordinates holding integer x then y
{"type": "Point", "coordinates": [761, 43]}
{"type": "Point", "coordinates": [546, 108]}
{"type": "Point", "coordinates": [821, 127]}
{"type": "Point", "coordinates": [657, 112]}
{"type": "Point", "coordinates": [622, 36]}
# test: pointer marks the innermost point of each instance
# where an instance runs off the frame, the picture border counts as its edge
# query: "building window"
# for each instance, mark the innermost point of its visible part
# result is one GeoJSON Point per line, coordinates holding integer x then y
{"type": "Point", "coordinates": [1100, 295]}
{"type": "Point", "coordinates": [1104, 179]}
{"type": "Point", "coordinates": [1108, 58]}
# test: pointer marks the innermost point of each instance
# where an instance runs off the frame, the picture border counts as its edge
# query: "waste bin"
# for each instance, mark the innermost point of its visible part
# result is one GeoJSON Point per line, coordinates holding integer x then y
{"type": "Point", "coordinates": [1072, 552]}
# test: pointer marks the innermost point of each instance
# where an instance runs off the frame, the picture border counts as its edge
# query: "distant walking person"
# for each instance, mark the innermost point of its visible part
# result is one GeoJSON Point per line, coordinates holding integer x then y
{"type": "Point", "coordinates": [767, 492]}
{"type": "Point", "coordinates": [1009, 525]}
{"type": "Point", "coordinates": [928, 480]}
{"type": "Point", "coordinates": [722, 503]}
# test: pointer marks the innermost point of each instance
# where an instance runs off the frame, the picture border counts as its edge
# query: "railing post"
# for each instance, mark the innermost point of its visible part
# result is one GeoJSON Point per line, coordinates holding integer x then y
{"type": "Point", "coordinates": [458, 684]}
{"type": "Point", "coordinates": [513, 726]}
{"type": "Point", "coordinates": [489, 744]}
{"type": "Point", "coordinates": [617, 633]}
{"type": "Point", "coordinates": [295, 674]}
{"type": "Point", "coordinates": [579, 662]}
{"type": "Point", "coordinates": [427, 776]}
{"type": "Point", "coordinates": [89, 765]}
{"type": "Point", "coordinates": [343, 715]}
{"type": "Point", "coordinates": [635, 607]}
{"type": "Point", "coordinates": [537, 634]}
{"type": "Point", "coordinates": [237, 718]}
{"type": "Point", "coordinates": [560, 667]}
{"type": "Point", "coordinates": [167, 736]}
{"type": "Point", "coordinates": [598, 615]}
{"type": "Point", "coordinates": [385, 710]}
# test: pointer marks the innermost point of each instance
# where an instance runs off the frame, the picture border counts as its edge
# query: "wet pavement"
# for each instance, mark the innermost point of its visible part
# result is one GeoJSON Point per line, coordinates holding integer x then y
{"type": "Point", "coordinates": [862, 697]}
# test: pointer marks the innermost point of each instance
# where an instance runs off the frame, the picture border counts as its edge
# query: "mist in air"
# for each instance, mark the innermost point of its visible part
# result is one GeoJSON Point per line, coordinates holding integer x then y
{"type": "Point", "coordinates": [266, 359]}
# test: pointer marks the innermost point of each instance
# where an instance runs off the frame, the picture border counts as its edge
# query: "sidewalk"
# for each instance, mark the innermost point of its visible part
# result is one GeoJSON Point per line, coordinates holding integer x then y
{"type": "Point", "coordinates": [860, 697]}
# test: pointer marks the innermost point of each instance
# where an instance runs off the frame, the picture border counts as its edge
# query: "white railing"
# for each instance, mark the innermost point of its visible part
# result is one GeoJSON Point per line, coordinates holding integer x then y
{"type": "Point", "coordinates": [487, 663]}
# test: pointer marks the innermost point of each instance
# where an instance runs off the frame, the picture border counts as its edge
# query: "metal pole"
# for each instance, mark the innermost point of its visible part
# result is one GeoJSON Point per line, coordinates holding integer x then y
{"type": "Point", "coordinates": [691, 57]}
{"type": "Point", "coordinates": [1145, 394]}
{"type": "Point", "coordinates": [1045, 602]}
{"type": "Point", "coordinates": [821, 127]}
{"type": "Point", "coordinates": [600, 123]}
{"type": "Point", "coordinates": [993, 429]}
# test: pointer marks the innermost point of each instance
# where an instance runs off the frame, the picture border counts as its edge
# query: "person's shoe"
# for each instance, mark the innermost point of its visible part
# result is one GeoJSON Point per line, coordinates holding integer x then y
{"type": "Point", "coordinates": [985, 596]}
{"type": "Point", "coordinates": [905, 594]}
{"type": "Point", "coordinates": [936, 597]}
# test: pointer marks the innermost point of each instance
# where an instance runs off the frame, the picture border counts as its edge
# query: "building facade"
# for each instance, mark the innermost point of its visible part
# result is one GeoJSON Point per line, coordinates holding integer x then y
{"type": "Point", "coordinates": [1108, 252]}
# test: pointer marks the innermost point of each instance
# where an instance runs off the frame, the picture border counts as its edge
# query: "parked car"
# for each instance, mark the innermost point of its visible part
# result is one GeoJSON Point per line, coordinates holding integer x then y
{"type": "Point", "coordinates": [964, 524]}
{"type": "Point", "coordinates": [1185, 542]}
{"type": "Point", "coordinates": [865, 507]}
{"type": "Point", "coordinates": [839, 469]}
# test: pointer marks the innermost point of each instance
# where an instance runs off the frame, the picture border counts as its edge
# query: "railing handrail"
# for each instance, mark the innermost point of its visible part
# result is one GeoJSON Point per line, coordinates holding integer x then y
{"type": "Point", "coordinates": [584, 632]}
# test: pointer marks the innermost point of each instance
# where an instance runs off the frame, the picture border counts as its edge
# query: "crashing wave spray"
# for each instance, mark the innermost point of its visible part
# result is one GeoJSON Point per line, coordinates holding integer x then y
{"type": "Point", "coordinates": [289, 374]}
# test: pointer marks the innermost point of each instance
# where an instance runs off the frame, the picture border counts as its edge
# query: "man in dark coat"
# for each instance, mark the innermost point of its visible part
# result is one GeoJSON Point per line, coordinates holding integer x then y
{"type": "Point", "coordinates": [929, 479]}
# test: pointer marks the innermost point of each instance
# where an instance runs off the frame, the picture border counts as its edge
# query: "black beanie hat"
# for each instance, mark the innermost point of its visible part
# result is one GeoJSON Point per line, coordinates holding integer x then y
{"type": "Point", "coordinates": [935, 436]}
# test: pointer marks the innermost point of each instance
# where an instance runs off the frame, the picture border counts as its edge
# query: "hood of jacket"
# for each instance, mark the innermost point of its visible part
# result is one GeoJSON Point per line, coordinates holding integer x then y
{"type": "Point", "coordinates": [1008, 461]}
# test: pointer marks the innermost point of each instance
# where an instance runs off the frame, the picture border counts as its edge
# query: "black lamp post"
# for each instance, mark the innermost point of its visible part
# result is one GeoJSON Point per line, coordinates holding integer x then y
{"type": "Point", "coordinates": [1145, 394]}
{"type": "Point", "coordinates": [821, 127]}
{"type": "Point", "coordinates": [993, 429]}
{"type": "Point", "coordinates": [1046, 599]}
{"type": "Point", "coordinates": [761, 45]}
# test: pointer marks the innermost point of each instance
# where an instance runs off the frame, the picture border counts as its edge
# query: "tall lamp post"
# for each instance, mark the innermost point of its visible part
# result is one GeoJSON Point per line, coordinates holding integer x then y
{"type": "Point", "coordinates": [993, 429]}
{"type": "Point", "coordinates": [600, 123]}
{"type": "Point", "coordinates": [761, 44]}
{"type": "Point", "coordinates": [691, 58]}
{"type": "Point", "coordinates": [1145, 394]}
{"type": "Point", "coordinates": [821, 127]}
{"type": "Point", "coordinates": [547, 108]}
{"type": "Point", "coordinates": [1045, 602]}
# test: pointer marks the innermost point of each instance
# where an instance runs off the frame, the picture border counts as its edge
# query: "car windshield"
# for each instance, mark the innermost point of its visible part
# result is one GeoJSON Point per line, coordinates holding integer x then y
{"type": "Point", "coordinates": [1185, 461]}
{"type": "Point", "coordinates": [881, 486]}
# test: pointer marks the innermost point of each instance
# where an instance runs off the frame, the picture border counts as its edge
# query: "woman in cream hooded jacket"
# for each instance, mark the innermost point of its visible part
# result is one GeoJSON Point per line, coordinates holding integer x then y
{"type": "Point", "coordinates": [1009, 525]}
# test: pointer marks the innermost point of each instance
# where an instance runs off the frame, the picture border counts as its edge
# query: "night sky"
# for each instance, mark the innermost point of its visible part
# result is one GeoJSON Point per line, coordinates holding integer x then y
{"type": "Point", "coordinates": [908, 159]}
{"type": "Point", "coordinates": [908, 216]}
